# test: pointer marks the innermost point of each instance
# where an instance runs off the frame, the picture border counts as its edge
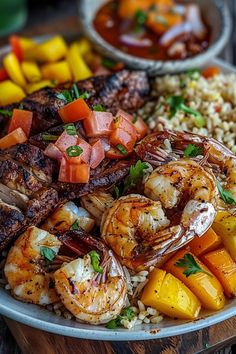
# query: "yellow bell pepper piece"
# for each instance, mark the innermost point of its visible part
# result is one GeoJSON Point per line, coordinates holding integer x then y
{"type": "Point", "coordinates": [78, 66]}
{"type": "Point", "coordinates": [51, 50]}
{"type": "Point", "coordinates": [31, 71]}
{"type": "Point", "coordinates": [10, 93]}
{"type": "Point", "coordinates": [59, 72]}
{"type": "Point", "coordinates": [225, 226]}
{"type": "Point", "coordinates": [12, 66]}
{"type": "Point", "coordinates": [39, 85]}
{"type": "Point", "coordinates": [170, 296]}
{"type": "Point", "coordinates": [205, 286]}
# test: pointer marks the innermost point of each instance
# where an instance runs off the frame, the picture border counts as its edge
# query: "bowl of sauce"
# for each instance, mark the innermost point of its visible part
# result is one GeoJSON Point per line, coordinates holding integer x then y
{"type": "Point", "coordinates": [160, 36]}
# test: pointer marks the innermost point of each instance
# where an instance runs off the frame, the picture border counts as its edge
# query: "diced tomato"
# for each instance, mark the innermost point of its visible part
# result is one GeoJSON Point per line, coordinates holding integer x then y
{"type": "Point", "coordinates": [124, 114]}
{"type": "Point", "coordinates": [86, 154]}
{"type": "Point", "coordinates": [21, 119]}
{"type": "Point", "coordinates": [53, 152]}
{"type": "Point", "coordinates": [97, 154]}
{"type": "Point", "coordinates": [120, 136]}
{"type": "Point", "coordinates": [74, 111]}
{"type": "Point", "coordinates": [123, 123]}
{"type": "Point", "coordinates": [16, 137]}
{"type": "Point", "coordinates": [65, 140]}
{"type": "Point", "coordinates": [211, 71]}
{"type": "Point", "coordinates": [16, 47]}
{"type": "Point", "coordinates": [98, 124]}
{"type": "Point", "coordinates": [72, 172]}
{"type": "Point", "coordinates": [115, 154]}
{"type": "Point", "coordinates": [104, 141]}
{"type": "Point", "coordinates": [3, 74]}
{"type": "Point", "coordinates": [141, 128]}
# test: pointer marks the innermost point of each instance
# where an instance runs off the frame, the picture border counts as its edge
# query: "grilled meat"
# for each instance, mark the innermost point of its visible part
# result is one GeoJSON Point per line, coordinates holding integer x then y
{"type": "Point", "coordinates": [125, 89]}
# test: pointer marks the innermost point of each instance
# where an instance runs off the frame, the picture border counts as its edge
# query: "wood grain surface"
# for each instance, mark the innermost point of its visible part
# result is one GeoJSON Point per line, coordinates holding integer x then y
{"type": "Point", "coordinates": [59, 16]}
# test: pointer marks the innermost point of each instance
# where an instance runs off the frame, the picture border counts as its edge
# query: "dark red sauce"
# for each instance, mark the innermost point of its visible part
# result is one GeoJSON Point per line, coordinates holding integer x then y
{"type": "Point", "coordinates": [122, 33]}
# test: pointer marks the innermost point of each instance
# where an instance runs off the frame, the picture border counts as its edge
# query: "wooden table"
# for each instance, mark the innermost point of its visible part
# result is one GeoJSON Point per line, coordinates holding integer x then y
{"type": "Point", "coordinates": [59, 16]}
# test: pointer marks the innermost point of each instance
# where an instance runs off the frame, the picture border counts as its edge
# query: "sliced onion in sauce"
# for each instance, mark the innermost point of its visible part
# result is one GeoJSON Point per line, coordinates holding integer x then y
{"type": "Point", "coordinates": [193, 15]}
{"type": "Point", "coordinates": [174, 32]}
{"type": "Point", "coordinates": [135, 41]}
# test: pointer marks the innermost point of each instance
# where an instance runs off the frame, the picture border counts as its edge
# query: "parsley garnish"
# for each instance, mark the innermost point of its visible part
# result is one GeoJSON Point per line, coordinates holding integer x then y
{"type": "Point", "coordinates": [75, 225]}
{"type": "Point", "coordinates": [140, 19]}
{"type": "Point", "coordinates": [47, 253]}
{"type": "Point", "coordinates": [99, 108]}
{"type": "Point", "coordinates": [194, 74]}
{"type": "Point", "coordinates": [95, 258]}
{"type": "Point", "coordinates": [71, 95]}
{"type": "Point", "coordinates": [127, 314]}
{"type": "Point", "coordinates": [122, 149]}
{"type": "Point", "coordinates": [192, 151]}
{"type": "Point", "coordinates": [135, 174]}
{"type": "Point", "coordinates": [74, 150]}
{"type": "Point", "coordinates": [70, 129]}
{"type": "Point", "coordinates": [226, 195]}
{"type": "Point", "coordinates": [49, 137]}
{"type": "Point", "coordinates": [190, 264]}
{"type": "Point", "coordinates": [65, 95]}
{"type": "Point", "coordinates": [6, 113]}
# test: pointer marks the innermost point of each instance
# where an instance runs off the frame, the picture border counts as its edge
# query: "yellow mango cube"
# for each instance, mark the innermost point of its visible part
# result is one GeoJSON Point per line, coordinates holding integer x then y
{"type": "Point", "coordinates": [10, 93]}
{"type": "Point", "coordinates": [225, 226]}
{"type": "Point", "coordinates": [38, 86]}
{"type": "Point", "coordinates": [59, 72]}
{"type": "Point", "coordinates": [77, 64]}
{"type": "Point", "coordinates": [31, 71]}
{"type": "Point", "coordinates": [12, 66]}
{"type": "Point", "coordinates": [83, 46]}
{"type": "Point", "coordinates": [49, 51]}
{"type": "Point", "coordinates": [170, 296]}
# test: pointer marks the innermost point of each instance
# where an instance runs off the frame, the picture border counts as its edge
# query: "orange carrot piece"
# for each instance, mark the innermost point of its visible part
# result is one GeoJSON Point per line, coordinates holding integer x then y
{"type": "Point", "coordinates": [211, 71]}
{"type": "Point", "coordinates": [224, 268]}
{"type": "Point", "coordinates": [204, 244]}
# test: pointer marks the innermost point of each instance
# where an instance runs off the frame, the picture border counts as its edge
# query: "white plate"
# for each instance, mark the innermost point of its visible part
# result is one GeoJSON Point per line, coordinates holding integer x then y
{"type": "Point", "coordinates": [40, 318]}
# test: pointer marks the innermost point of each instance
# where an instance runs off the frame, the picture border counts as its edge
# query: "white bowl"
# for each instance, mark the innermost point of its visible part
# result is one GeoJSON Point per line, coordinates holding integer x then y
{"type": "Point", "coordinates": [217, 16]}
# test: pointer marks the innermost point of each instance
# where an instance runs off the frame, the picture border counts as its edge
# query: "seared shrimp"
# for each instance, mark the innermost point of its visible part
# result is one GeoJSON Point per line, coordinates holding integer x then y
{"type": "Point", "coordinates": [96, 204]}
{"type": "Point", "coordinates": [24, 270]}
{"type": "Point", "coordinates": [138, 231]}
{"type": "Point", "coordinates": [65, 216]}
{"type": "Point", "coordinates": [152, 149]}
{"type": "Point", "coordinates": [90, 296]}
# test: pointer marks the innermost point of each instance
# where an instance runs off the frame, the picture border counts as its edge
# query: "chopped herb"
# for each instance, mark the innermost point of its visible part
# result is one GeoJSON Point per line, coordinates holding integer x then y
{"type": "Point", "coordinates": [127, 314]}
{"type": "Point", "coordinates": [71, 95]}
{"type": "Point", "coordinates": [47, 253]}
{"type": "Point", "coordinates": [136, 173]}
{"type": "Point", "coordinates": [6, 113]}
{"type": "Point", "coordinates": [135, 118]}
{"type": "Point", "coordinates": [192, 151]}
{"type": "Point", "coordinates": [226, 195]}
{"type": "Point", "coordinates": [160, 19]}
{"type": "Point", "coordinates": [117, 192]}
{"type": "Point", "coordinates": [21, 106]}
{"type": "Point", "coordinates": [200, 121]}
{"type": "Point", "coordinates": [177, 104]}
{"type": "Point", "coordinates": [194, 74]}
{"type": "Point", "coordinates": [49, 137]}
{"type": "Point", "coordinates": [108, 63]}
{"type": "Point", "coordinates": [190, 264]}
{"type": "Point", "coordinates": [74, 150]}
{"type": "Point", "coordinates": [75, 91]}
{"type": "Point", "coordinates": [70, 129]}
{"type": "Point", "coordinates": [140, 19]}
{"type": "Point", "coordinates": [182, 84]}
{"type": "Point", "coordinates": [85, 95]}
{"type": "Point", "coordinates": [99, 108]}
{"type": "Point", "coordinates": [122, 149]}
{"type": "Point", "coordinates": [75, 225]}
{"type": "Point", "coordinates": [65, 95]}
{"type": "Point", "coordinates": [95, 258]}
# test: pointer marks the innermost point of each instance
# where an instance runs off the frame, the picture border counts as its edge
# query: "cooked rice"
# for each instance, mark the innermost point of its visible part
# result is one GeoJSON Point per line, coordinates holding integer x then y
{"type": "Point", "coordinates": [214, 98]}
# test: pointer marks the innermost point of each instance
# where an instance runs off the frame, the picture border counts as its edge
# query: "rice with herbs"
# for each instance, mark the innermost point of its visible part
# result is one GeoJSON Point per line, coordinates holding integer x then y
{"type": "Point", "coordinates": [213, 98]}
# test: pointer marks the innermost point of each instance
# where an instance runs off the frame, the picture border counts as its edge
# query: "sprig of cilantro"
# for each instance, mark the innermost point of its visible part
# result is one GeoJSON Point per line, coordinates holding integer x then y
{"type": "Point", "coordinates": [190, 264]}
{"type": "Point", "coordinates": [6, 113]}
{"type": "Point", "coordinates": [192, 151]}
{"type": "Point", "coordinates": [127, 314]}
{"type": "Point", "coordinates": [136, 173]}
{"type": "Point", "coordinates": [71, 95]}
{"type": "Point", "coordinates": [226, 195]}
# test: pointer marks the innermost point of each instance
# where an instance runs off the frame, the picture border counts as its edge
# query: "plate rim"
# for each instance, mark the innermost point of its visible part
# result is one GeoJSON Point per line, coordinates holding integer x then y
{"type": "Point", "coordinates": [153, 332]}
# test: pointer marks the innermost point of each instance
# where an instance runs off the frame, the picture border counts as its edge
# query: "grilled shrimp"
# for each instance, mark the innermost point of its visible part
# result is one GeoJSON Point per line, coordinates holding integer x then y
{"type": "Point", "coordinates": [152, 149]}
{"type": "Point", "coordinates": [96, 204]}
{"type": "Point", "coordinates": [25, 271]}
{"type": "Point", "coordinates": [90, 296]}
{"type": "Point", "coordinates": [138, 231]}
{"type": "Point", "coordinates": [65, 216]}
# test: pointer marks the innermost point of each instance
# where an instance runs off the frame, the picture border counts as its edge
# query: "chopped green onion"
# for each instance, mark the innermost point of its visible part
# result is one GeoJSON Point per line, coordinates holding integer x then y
{"type": "Point", "coordinates": [75, 91]}
{"type": "Point", "coordinates": [65, 95]}
{"type": "Point", "coordinates": [99, 108]}
{"type": "Point", "coordinates": [70, 129]}
{"type": "Point", "coordinates": [122, 149]}
{"type": "Point", "coordinates": [49, 137]}
{"type": "Point", "coordinates": [74, 151]}
{"type": "Point", "coordinates": [6, 113]}
{"type": "Point", "coordinates": [95, 258]}
{"type": "Point", "coordinates": [192, 151]}
{"type": "Point", "coordinates": [47, 253]}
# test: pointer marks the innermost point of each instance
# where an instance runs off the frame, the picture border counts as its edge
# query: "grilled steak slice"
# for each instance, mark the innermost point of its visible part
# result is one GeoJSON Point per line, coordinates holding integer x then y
{"type": "Point", "coordinates": [125, 89]}
{"type": "Point", "coordinates": [29, 155]}
{"type": "Point", "coordinates": [39, 141]}
{"type": "Point", "coordinates": [11, 220]}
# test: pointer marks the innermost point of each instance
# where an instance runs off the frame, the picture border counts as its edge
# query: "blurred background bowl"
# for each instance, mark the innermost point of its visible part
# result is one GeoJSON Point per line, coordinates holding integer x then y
{"type": "Point", "coordinates": [215, 12]}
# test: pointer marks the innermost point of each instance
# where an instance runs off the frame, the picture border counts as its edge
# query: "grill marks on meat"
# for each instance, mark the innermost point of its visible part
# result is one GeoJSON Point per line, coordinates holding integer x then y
{"type": "Point", "coordinates": [125, 89]}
